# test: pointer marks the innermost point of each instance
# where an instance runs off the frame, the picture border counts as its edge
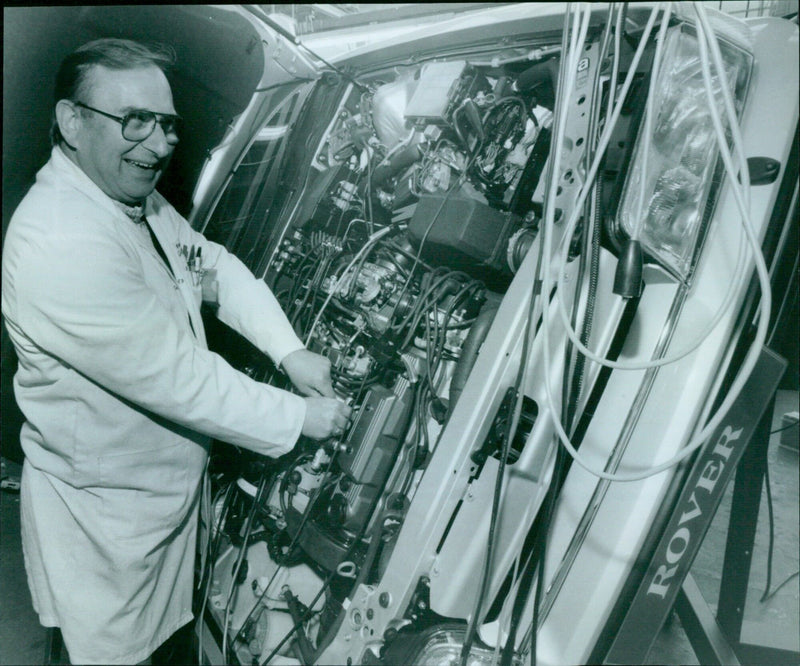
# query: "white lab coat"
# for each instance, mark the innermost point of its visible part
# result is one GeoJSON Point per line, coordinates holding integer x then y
{"type": "Point", "coordinates": [121, 397]}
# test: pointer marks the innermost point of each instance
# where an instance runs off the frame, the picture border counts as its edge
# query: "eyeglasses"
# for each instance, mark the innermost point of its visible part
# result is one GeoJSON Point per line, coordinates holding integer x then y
{"type": "Point", "coordinates": [139, 124]}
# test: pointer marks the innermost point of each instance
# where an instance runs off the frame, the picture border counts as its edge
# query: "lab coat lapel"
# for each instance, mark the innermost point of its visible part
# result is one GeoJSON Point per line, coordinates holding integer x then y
{"type": "Point", "coordinates": [162, 237]}
{"type": "Point", "coordinates": [167, 239]}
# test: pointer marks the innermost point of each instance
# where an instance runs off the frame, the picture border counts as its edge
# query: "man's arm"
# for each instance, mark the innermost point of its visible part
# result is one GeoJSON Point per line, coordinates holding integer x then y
{"type": "Point", "coordinates": [248, 306]}
{"type": "Point", "coordinates": [82, 299]}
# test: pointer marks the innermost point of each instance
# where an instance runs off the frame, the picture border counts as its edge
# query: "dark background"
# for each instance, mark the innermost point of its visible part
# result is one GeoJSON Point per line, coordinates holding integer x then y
{"type": "Point", "coordinates": [220, 62]}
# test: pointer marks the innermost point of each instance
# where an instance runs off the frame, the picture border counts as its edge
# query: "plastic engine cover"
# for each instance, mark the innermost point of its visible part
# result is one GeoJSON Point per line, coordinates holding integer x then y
{"type": "Point", "coordinates": [461, 232]}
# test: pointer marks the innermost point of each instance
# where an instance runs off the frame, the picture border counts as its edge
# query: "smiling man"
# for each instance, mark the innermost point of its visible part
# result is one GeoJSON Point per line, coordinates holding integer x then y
{"type": "Point", "coordinates": [102, 286]}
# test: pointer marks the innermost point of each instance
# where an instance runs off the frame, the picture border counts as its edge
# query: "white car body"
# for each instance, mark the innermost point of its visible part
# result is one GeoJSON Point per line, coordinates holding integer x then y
{"type": "Point", "coordinates": [640, 419]}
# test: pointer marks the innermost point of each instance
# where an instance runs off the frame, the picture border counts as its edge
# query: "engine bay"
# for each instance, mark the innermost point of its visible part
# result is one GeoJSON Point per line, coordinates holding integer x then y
{"type": "Point", "coordinates": [401, 243]}
{"type": "Point", "coordinates": [395, 276]}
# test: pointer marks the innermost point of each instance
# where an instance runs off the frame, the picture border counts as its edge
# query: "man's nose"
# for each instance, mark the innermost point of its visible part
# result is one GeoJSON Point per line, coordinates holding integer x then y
{"type": "Point", "coordinates": [159, 143]}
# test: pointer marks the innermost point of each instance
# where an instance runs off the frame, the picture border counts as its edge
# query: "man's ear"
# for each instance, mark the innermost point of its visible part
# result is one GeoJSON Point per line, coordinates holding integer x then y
{"type": "Point", "coordinates": [69, 119]}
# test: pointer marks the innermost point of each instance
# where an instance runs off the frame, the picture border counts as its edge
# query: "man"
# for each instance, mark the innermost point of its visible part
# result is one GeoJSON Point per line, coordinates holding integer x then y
{"type": "Point", "coordinates": [102, 286]}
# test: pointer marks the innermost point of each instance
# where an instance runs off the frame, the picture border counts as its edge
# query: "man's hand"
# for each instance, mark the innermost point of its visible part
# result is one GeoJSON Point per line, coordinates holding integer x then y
{"type": "Point", "coordinates": [309, 372]}
{"type": "Point", "coordinates": [325, 417]}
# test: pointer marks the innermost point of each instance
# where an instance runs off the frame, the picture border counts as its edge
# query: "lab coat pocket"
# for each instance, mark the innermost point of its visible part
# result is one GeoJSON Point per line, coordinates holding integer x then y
{"type": "Point", "coordinates": [209, 288]}
{"type": "Point", "coordinates": [147, 494]}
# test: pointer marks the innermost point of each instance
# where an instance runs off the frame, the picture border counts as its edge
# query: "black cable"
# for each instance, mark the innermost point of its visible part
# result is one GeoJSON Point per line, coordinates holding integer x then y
{"type": "Point", "coordinates": [307, 615]}
{"type": "Point", "coordinates": [426, 302]}
{"type": "Point", "coordinates": [771, 546]}
{"type": "Point", "coordinates": [786, 427]}
{"type": "Point", "coordinates": [769, 596]}
{"type": "Point", "coordinates": [591, 300]}
{"type": "Point", "coordinates": [211, 555]}
{"type": "Point", "coordinates": [540, 545]}
{"type": "Point", "coordinates": [573, 382]}
{"type": "Point", "coordinates": [257, 499]}
{"type": "Point", "coordinates": [314, 291]}
{"type": "Point", "coordinates": [368, 194]}
{"type": "Point", "coordinates": [290, 548]}
{"type": "Point", "coordinates": [537, 283]}
{"type": "Point", "coordinates": [535, 564]}
{"type": "Point", "coordinates": [561, 460]}
{"type": "Point", "coordinates": [283, 486]}
{"type": "Point", "coordinates": [508, 436]}
{"type": "Point", "coordinates": [770, 511]}
{"type": "Point", "coordinates": [506, 135]}
{"type": "Point", "coordinates": [297, 308]}
{"type": "Point", "coordinates": [326, 583]}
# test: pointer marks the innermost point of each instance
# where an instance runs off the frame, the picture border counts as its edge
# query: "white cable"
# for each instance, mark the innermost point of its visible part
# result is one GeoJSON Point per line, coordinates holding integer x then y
{"type": "Point", "coordinates": [374, 238]}
{"type": "Point", "coordinates": [648, 121]}
{"type": "Point", "coordinates": [636, 364]}
{"type": "Point", "coordinates": [764, 310]}
{"type": "Point", "coordinates": [611, 123]}
{"type": "Point", "coordinates": [736, 132]}
{"type": "Point", "coordinates": [612, 88]}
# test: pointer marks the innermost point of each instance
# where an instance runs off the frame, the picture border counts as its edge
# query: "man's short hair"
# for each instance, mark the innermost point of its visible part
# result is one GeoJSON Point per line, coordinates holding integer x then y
{"type": "Point", "coordinates": [73, 81]}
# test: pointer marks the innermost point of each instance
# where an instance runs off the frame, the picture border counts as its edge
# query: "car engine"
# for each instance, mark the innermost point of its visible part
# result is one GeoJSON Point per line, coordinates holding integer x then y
{"type": "Point", "coordinates": [494, 242]}
{"type": "Point", "coordinates": [426, 213]}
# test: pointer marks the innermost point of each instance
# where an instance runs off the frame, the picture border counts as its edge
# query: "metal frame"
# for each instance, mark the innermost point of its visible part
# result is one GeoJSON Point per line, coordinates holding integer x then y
{"type": "Point", "coordinates": [745, 505]}
{"type": "Point", "coordinates": [717, 640]}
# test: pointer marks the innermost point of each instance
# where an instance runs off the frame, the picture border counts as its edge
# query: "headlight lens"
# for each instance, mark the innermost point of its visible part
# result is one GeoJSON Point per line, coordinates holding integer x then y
{"type": "Point", "coordinates": [680, 170]}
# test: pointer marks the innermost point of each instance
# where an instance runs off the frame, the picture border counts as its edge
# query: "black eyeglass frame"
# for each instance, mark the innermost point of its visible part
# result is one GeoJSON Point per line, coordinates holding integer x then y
{"type": "Point", "coordinates": [161, 118]}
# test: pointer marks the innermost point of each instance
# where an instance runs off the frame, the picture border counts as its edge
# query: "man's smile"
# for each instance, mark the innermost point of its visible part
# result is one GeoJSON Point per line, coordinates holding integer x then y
{"type": "Point", "coordinates": [150, 166]}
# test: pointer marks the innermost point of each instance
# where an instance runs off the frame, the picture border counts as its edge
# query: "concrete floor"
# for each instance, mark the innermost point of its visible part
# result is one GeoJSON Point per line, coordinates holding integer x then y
{"type": "Point", "coordinates": [775, 623]}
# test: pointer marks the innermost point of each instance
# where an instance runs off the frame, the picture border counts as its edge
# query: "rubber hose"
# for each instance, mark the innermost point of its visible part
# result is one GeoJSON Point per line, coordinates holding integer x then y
{"type": "Point", "coordinates": [469, 353]}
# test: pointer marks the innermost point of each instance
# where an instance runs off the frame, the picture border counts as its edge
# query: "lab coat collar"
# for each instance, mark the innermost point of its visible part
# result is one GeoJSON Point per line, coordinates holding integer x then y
{"type": "Point", "coordinates": [64, 170]}
{"type": "Point", "coordinates": [77, 177]}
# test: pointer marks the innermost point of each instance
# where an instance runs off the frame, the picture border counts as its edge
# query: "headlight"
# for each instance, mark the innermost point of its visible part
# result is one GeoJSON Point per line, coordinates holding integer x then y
{"type": "Point", "coordinates": [440, 646]}
{"type": "Point", "coordinates": [681, 171]}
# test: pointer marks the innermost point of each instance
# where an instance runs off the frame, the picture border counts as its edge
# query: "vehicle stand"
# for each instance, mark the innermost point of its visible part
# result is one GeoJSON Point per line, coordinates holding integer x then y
{"type": "Point", "coordinates": [715, 640]}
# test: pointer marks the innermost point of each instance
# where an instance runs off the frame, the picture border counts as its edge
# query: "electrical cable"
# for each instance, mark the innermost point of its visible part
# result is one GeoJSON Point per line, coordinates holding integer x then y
{"type": "Point", "coordinates": [762, 274]}
{"type": "Point", "coordinates": [434, 335]}
{"type": "Point", "coordinates": [768, 592]}
{"type": "Point", "coordinates": [374, 238]}
{"type": "Point", "coordinates": [636, 364]}
{"type": "Point", "coordinates": [237, 567]}
{"type": "Point", "coordinates": [727, 300]}
{"type": "Point", "coordinates": [786, 427]}
{"type": "Point", "coordinates": [592, 238]}
{"type": "Point", "coordinates": [771, 546]}
{"type": "Point", "coordinates": [428, 229]}
{"type": "Point", "coordinates": [787, 580]}
{"type": "Point", "coordinates": [208, 569]}
{"type": "Point", "coordinates": [503, 616]}
{"type": "Point", "coordinates": [540, 544]}
{"type": "Point", "coordinates": [573, 382]}
{"type": "Point", "coordinates": [289, 549]}
{"type": "Point", "coordinates": [578, 37]}
{"type": "Point", "coordinates": [612, 88]}
{"type": "Point", "coordinates": [710, 43]}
